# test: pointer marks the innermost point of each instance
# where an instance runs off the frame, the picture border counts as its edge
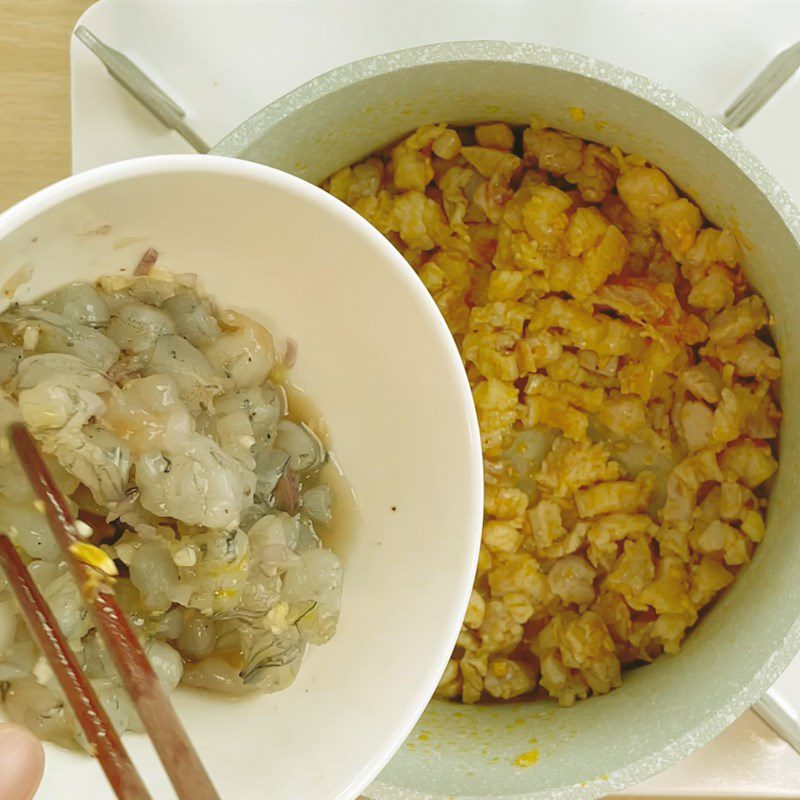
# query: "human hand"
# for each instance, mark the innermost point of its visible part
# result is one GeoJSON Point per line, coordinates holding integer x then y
{"type": "Point", "coordinates": [21, 763]}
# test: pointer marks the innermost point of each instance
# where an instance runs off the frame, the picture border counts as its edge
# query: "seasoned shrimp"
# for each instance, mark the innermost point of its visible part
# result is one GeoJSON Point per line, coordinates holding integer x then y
{"type": "Point", "coordinates": [198, 484]}
{"type": "Point", "coordinates": [158, 419]}
{"type": "Point", "coordinates": [42, 331]}
{"type": "Point", "coordinates": [244, 352]}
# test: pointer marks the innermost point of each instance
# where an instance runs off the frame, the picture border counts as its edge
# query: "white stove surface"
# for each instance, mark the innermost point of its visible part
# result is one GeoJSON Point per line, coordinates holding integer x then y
{"type": "Point", "coordinates": [223, 60]}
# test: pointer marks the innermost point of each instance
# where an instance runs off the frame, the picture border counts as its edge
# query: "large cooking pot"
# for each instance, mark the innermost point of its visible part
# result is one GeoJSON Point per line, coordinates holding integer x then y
{"type": "Point", "coordinates": [665, 710]}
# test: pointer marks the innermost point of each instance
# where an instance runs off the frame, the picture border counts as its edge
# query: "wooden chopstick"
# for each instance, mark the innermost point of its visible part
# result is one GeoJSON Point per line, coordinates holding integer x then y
{"type": "Point", "coordinates": [180, 760]}
{"type": "Point", "coordinates": [94, 721]}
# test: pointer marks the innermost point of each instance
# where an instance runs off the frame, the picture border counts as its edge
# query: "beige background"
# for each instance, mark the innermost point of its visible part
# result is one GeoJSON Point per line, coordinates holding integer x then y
{"type": "Point", "coordinates": [34, 93]}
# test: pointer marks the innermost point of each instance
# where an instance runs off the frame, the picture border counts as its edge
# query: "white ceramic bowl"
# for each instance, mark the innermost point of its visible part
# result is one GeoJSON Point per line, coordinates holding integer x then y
{"type": "Point", "coordinates": [377, 358]}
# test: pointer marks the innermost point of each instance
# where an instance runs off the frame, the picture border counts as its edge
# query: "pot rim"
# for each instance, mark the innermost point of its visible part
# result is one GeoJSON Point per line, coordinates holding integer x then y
{"type": "Point", "coordinates": [234, 144]}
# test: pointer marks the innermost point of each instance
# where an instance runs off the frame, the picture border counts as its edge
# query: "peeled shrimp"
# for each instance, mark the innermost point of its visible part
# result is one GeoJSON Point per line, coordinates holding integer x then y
{"type": "Point", "coordinates": [244, 352]}
{"type": "Point", "coordinates": [40, 710]}
{"type": "Point", "coordinates": [148, 415]}
{"type": "Point", "coordinates": [135, 327]}
{"type": "Point", "coordinates": [55, 333]}
{"type": "Point", "coordinates": [79, 302]}
{"type": "Point", "coordinates": [264, 405]}
{"type": "Point", "coordinates": [198, 382]}
{"type": "Point", "coordinates": [199, 485]}
{"type": "Point", "coordinates": [159, 422]}
{"type": "Point", "coordinates": [193, 318]}
{"type": "Point", "coordinates": [10, 356]}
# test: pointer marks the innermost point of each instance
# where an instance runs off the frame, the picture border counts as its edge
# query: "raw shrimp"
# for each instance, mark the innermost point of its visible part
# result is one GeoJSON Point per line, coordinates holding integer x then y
{"type": "Point", "coordinates": [200, 485]}
{"type": "Point", "coordinates": [47, 332]}
{"type": "Point", "coordinates": [136, 326]}
{"type": "Point", "coordinates": [244, 352]}
{"type": "Point", "coordinates": [197, 381]}
{"type": "Point", "coordinates": [79, 302]}
{"type": "Point", "coordinates": [192, 317]}
{"type": "Point", "coordinates": [10, 356]}
{"type": "Point", "coordinates": [161, 423]}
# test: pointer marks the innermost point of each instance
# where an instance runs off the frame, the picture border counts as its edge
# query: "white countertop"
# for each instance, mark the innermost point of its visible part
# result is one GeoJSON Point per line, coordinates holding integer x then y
{"type": "Point", "coordinates": [223, 60]}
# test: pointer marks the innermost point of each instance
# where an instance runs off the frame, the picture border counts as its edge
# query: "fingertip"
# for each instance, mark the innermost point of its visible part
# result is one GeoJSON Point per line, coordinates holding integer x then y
{"type": "Point", "coordinates": [21, 763]}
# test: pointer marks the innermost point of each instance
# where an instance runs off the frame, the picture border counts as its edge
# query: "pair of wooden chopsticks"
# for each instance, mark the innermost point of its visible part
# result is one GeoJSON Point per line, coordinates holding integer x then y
{"type": "Point", "coordinates": [179, 758]}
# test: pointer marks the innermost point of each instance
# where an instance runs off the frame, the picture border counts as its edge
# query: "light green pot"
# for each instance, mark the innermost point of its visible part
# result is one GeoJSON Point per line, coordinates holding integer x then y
{"type": "Point", "coordinates": [665, 710]}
